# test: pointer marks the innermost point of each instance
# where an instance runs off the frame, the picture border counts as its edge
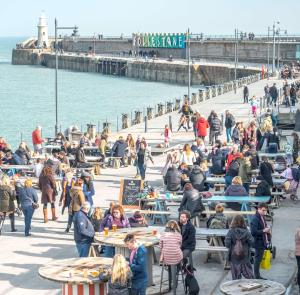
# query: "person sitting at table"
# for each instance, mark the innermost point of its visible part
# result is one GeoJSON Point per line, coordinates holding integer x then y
{"type": "Point", "coordinates": [67, 148]}
{"type": "Point", "coordinates": [170, 244]}
{"type": "Point", "coordinates": [173, 179]}
{"type": "Point", "coordinates": [235, 189]}
{"type": "Point", "coordinates": [191, 201]}
{"type": "Point", "coordinates": [62, 157]}
{"type": "Point", "coordinates": [273, 142]}
{"type": "Point", "coordinates": [239, 241]}
{"type": "Point", "coordinates": [96, 218]}
{"type": "Point", "coordinates": [138, 220]}
{"type": "Point", "coordinates": [109, 210]}
{"type": "Point", "coordinates": [138, 265]}
{"type": "Point", "coordinates": [119, 149]}
{"type": "Point", "coordinates": [59, 139]}
{"type": "Point", "coordinates": [197, 178]}
{"type": "Point", "coordinates": [266, 170]}
{"type": "Point", "coordinates": [83, 230]}
{"type": "Point", "coordinates": [187, 156]}
{"type": "Point", "coordinates": [232, 165]}
{"type": "Point", "coordinates": [188, 233]}
{"type": "Point", "coordinates": [80, 160]}
{"type": "Point", "coordinates": [263, 189]}
{"type": "Point", "coordinates": [218, 220]}
{"type": "Point", "coordinates": [185, 173]}
{"type": "Point", "coordinates": [217, 159]}
{"type": "Point", "coordinates": [22, 155]}
{"type": "Point", "coordinates": [245, 172]}
{"type": "Point", "coordinates": [117, 218]}
{"type": "Point", "coordinates": [119, 281]}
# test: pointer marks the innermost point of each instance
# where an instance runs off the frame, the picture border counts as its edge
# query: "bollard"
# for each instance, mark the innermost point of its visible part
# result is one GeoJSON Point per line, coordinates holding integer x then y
{"type": "Point", "coordinates": [194, 98]}
{"type": "Point", "coordinates": [170, 123]}
{"type": "Point", "coordinates": [107, 127]}
{"type": "Point", "coordinates": [146, 124]}
{"type": "Point", "coordinates": [213, 91]}
{"type": "Point", "coordinates": [177, 104]}
{"type": "Point", "coordinates": [169, 107]}
{"type": "Point", "coordinates": [149, 113]}
{"type": "Point", "coordinates": [222, 119]}
{"type": "Point", "coordinates": [124, 121]}
{"type": "Point", "coordinates": [201, 95]}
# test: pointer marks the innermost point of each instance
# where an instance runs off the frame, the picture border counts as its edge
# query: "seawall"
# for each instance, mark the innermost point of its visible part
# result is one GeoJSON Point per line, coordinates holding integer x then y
{"type": "Point", "coordinates": [149, 70]}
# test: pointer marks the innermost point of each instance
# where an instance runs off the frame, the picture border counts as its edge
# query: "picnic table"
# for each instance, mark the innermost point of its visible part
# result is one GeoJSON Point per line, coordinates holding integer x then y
{"type": "Point", "coordinates": [144, 236]}
{"type": "Point", "coordinates": [163, 150]}
{"type": "Point", "coordinates": [221, 180]}
{"type": "Point", "coordinates": [15, 168]}
{"type": "Point", "coordinates": [271, 155]}
{"type": "Point", "coordinates": [244, 200]}
{"type": "Point", "coordinates": [252, 287]}
{"type": "Point", "coordinates": [78, 275]}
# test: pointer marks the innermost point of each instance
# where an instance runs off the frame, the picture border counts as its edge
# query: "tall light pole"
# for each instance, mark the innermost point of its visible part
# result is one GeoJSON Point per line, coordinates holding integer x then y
{"type": "Point", "coordinates": [75, 32]}
{"type": "Point", "coordinates": [236, 55]}
{"type": "Point", "coordinates": [274, 43]}
{"type": "Point", "coordinates": [189, 62]}
{"type": "Point", "coordinates": [268, 46]}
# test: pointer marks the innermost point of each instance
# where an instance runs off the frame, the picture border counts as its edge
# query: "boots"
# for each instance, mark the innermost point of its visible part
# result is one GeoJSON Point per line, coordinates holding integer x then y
{"type": "Point", "coordinates": [2, 218]}
{"type": "Point", "coordinates": [12, 222]}
{"type": "Point", "coordinates": [53, 214]}
{"type": "Point", "coordinates": [45, 212]}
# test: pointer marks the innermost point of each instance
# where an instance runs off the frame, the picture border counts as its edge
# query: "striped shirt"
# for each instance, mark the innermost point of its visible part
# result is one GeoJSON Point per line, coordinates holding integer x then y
{"type": "Point", "coordinates": [170, 243]}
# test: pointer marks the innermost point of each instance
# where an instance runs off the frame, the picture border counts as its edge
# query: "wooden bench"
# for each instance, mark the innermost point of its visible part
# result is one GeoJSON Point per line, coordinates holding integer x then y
{"type": "Point", "coordinates": [221, 250]}
{"type": "Point", "coordinates": [231, 212]}
{"type": "Point", "coordinates": [276, 199]}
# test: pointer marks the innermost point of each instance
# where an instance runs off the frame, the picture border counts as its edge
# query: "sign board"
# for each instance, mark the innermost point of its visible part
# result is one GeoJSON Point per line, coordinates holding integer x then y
{"type": "Point", "coordinates": [129, 192]}
{"type": "Point", "coordinates": [160, 40]}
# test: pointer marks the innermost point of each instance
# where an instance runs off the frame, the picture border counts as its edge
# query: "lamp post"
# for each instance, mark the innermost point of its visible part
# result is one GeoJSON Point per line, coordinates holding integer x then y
{"type": "Point", "coordinates": [268, 54]}
{"type": "Point", "coordinates": [189, 63]}
{"type": "Point", "coordinates": [236, 56]}
{"type": "Point", "coordinates": [75, 32]}
{"type": "Point", "coordinates": [274, 31]}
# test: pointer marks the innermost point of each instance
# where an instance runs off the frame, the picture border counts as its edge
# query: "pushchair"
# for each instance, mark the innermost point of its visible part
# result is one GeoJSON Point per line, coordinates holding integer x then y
{"type": "Point", "coordinates": [280, 164]}
{"type": "Point", "coordinates": [291, 185]}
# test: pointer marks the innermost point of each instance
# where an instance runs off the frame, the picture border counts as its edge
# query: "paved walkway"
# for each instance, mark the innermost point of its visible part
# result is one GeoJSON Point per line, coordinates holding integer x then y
{"type": "Point", "coordinates": [21, 257]}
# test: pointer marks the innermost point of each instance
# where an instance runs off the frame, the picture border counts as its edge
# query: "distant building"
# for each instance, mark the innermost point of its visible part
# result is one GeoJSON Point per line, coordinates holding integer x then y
{"type": "Point", "coordinates": [43, 40]}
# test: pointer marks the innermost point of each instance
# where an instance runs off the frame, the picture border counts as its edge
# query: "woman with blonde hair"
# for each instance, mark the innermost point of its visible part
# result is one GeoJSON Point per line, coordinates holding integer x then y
{"type": "Point", "coordinates": [120, 276]}
{"type": "Point", "coordinates": [7, 205]}
{"type": "Point", "coordinates": [28, 199]}
{"type": "Point", "coordinates": [170, 245]}
{"type": "Point", "coordinates": [187, 156]}
{"type": "Point", "coordinates": [96, 219]}
{"type": "Point", "coordinates": [236, 189]}
{"type": "Point", "coordinates": [131, 150]}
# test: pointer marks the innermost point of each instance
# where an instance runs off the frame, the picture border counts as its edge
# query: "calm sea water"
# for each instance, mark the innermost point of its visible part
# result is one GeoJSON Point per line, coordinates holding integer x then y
{"type": "Point", "coordinates": [27, 97]}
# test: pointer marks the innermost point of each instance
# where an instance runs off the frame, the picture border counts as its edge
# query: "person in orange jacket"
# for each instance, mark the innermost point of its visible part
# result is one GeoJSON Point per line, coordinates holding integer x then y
{"type": "Point", "coordinates": [37, 140]}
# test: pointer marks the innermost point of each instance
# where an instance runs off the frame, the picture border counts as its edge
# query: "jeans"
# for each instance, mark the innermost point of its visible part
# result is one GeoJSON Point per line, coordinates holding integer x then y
{"type": "Point", "coordinates": [140, 291]}
{"type": "Point", "coordinates": [142, 170]}
{"type": "Point", "coordinates": [246, 186]}
{"type": "Point", "coordinates": [70, 220]}
{"type": "Point", "coordinates": [228, 134]}
{"type": "Point", "coordinates": [28, 213]}
{"type": "Point", "coordinates": [228, 180]}
{"type": "Point", "coordinates": [298, 265]}
{"type": "Point", "coordinates": [83, 249]}
{"type": "Point", "coordinates": [109, 251]}
{"type": "Point", "coordinates": [259, 253]}
{"type": "Point", "coordinates": [213, 136]}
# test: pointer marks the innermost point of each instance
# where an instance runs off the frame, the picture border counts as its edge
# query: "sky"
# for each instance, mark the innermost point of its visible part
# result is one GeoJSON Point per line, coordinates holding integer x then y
{"type": "Point", "coordinates": [114, 17]}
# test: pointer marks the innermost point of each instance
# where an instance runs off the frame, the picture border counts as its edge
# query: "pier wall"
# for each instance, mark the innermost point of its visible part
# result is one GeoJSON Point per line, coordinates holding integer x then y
{"type": "Point", "coordinates": [169, 72]}
{"type": "Point", "coordinates": [248, 50]}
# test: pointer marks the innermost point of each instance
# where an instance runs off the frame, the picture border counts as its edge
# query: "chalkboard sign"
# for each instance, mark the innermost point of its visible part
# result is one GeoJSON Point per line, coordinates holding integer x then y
{"type": "Point", "coordinates": [129, 191]}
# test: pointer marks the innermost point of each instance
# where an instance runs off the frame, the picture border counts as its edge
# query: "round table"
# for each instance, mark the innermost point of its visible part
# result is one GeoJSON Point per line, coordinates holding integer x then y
{"type": "Point", "coordinates": [143, 236]}
{"type": "Point", "coordinates": [78, 275]}
{"type": "Point", "coordinates": [252, 287]}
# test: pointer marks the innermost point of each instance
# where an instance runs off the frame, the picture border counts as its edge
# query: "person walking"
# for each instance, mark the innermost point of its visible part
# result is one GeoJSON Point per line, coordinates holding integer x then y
{"type": "Point", "coordinates": [119, 281]}
{"type": "Point", "coordinates": [260, 231]}
{"type": "Point", "coordinates": [48, 187]}
{"type": "Point", "coordinates": [239, 241]}
{"type": "Point", "coordinates": [138, 265]}
{"type": "Point", "coordinates": [142, 159]}
{"type": "Point", "coordinates": [28, 199]}
{"type": "Point", "coordinates": [119, 149]}
{"type": "Point", "coordinates": [201, 127]}
{"type": "Point", "coordinates": [37, 140]}
{"type": "Point", "coordinates": [274, 94]}
{"type": "Point", "coordinates": [246, 93]}
{"type": "Point", "coordinates": [83, 230]}
{"type": "Point", "coordinates": [215, 125]}
{"type": "Point", "coordinates": [186, 110]}
{"type": "Point", "coordinates": [229, 124]}
{"type": "Point", "coordinates": [297, 254]}
{"type": "Point", "coordinates": [88, 187]}
{"type": "Point", "coordinates": [7, 206]}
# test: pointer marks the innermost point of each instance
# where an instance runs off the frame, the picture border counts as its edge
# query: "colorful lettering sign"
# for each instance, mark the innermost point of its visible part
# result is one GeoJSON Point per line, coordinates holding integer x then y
{"type": "Point", "coordinates": [160, 40]}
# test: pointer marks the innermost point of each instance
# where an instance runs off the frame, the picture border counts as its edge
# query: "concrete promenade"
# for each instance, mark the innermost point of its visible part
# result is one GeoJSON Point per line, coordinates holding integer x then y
{"type": "Point", "coordinates": [21, 257]}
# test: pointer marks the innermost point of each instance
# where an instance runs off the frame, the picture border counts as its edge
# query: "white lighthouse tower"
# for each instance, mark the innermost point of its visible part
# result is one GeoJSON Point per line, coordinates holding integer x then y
{"type": "Point", "coordinates": [43, 31]}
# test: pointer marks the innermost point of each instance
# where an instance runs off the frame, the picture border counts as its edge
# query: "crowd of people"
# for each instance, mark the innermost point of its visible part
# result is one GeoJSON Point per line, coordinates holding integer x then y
{"type": "Point", "coordinates": [235, 159]}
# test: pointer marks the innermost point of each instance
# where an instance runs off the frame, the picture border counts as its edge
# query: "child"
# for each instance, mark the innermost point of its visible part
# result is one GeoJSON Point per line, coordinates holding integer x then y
{"type": "Point", "coordinates": [182, 123]}
{"type": "Point", "coordinates": [167, 135]}
{"type": "Point", "coordinates": [138, 220]}
{"type": "Point", "coordinates": [288, 148]}
{"type": "Point", "coordinates": [253, 103]}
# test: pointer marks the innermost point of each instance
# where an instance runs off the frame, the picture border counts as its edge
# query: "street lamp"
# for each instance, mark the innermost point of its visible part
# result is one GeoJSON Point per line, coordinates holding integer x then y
{"type": "Point", "coordinates": [188, 42]}
{"type": "Point", "coordinates": [236, 57]}
{"type": "Point", "coordinates": [74, 34]}
{"type": "Point", "coordinates": [274, 31]}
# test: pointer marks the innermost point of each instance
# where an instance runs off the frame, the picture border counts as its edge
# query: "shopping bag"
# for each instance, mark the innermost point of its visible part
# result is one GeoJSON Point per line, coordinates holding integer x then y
{"type": "Point", "coordinates": [266, 260]}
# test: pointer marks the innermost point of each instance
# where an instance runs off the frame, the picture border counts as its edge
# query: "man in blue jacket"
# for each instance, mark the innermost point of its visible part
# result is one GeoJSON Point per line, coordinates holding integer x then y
{"type": "Point", "coordinates": [83, 230]}
{"type": "Point", "coordinates": [138, 265]}
{"type": "Point", "coordinates": [260, 231]}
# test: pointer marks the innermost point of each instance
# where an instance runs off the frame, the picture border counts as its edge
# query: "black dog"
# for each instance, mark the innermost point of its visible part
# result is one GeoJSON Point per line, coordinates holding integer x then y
{"type": "Point", "coordinates": [191, 285]}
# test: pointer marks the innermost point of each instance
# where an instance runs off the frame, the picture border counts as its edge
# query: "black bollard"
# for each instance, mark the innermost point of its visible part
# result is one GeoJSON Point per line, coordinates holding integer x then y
{"type": "Point", "coordinates": [146, 124]}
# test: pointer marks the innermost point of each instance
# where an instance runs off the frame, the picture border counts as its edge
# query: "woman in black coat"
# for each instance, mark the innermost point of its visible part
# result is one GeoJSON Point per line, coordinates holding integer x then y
{"type": "Point", "coordinates": [266, 171]}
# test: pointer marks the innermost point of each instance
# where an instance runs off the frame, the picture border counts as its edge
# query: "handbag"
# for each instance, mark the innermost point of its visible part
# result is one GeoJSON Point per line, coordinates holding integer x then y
{"type": "Point", "coordinates": [35, 205]}
{"type": "Point", "coordinates": [266, 260]}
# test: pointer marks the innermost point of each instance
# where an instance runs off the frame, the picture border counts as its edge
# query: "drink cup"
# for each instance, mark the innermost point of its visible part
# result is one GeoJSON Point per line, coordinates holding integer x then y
{"type": "Point", "coordinates": [154, 232]}
{"type": "Point", "coordinates": [114, 227]}
{"type": "Point", "coordinates": [106, 229]}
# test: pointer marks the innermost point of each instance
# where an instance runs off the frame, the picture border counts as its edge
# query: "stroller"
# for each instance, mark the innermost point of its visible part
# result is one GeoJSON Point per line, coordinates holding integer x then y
{"type": "Point", "coordinates": [280, 164]}
{"type": "Point", "coordinates": [292, 176]}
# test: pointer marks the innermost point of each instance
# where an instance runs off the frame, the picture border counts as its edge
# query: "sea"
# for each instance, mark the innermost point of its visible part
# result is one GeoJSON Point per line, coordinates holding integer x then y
{"type": "Point", "coordinates": [27, 97]}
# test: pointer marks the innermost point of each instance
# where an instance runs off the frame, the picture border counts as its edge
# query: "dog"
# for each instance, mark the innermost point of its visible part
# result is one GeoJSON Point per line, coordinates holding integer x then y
{"type": "Point", "coordinates": [190, 283]}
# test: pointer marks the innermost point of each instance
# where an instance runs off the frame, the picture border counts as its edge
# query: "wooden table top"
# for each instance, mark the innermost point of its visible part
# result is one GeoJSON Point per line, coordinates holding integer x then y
{"type": "Point", "coordinates": [252, 287]}
{"type": "Point", "coordinates": [211, 232]}
{"type": "Point", "coordinates": [143, 235]}
{"type": "Point", "coordinates": [73, 270]}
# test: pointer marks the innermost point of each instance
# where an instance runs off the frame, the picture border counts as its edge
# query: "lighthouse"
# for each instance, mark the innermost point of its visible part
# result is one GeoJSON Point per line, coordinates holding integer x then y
{"type": "Point", "coordinates": [43, 31]}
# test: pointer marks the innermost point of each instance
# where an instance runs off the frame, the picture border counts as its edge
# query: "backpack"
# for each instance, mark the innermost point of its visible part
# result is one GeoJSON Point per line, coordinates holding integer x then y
{"type": "Point", "coordinates": [215, 124]}
{"type": "Point", "coordinates": [234, 165]}
{"type": "Point", "coordinates": [238, 250]}
{"type": "Point", "coordinates": [216, 223]}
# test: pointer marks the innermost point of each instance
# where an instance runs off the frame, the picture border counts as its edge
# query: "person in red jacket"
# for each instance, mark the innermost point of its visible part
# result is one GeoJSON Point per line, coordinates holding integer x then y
{"type": "Point", "coordinates": [201, 127]}
{"type": "Point", "coordinates": [37, 140]}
